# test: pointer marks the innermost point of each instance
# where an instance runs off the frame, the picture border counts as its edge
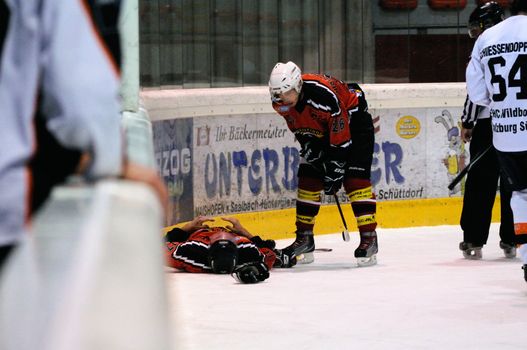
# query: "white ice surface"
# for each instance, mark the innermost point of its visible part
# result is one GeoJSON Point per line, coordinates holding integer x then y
{"type": "Point", "coordinates": [421, 295]}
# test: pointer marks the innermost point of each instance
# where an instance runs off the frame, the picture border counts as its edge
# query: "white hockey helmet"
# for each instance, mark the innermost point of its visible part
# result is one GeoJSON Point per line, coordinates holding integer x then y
{"type": "Point", "coordinates": [285, 77]}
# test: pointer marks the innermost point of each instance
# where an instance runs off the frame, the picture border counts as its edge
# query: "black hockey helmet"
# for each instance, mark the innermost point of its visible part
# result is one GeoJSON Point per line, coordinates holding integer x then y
{"type": "Point", "coordinates": [223, 256]}
{"type": "Point", "coordinates": [484, 17]}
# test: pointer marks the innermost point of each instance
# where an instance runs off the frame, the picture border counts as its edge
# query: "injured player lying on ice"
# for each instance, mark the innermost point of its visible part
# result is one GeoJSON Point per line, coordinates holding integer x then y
{"type": "Point", "coordinates": [196, 247]}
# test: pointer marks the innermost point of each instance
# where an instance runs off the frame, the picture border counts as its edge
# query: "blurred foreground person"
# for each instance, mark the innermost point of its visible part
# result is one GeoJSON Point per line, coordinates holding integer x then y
{"type": "Point", "coordinates": [57, 74]}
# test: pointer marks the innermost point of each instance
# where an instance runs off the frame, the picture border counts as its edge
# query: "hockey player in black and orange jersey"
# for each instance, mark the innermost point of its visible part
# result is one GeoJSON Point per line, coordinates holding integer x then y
{"type": "Point", "coordinates": [196, 247]}
{"type": "Point", "coordinates": [331, 122]}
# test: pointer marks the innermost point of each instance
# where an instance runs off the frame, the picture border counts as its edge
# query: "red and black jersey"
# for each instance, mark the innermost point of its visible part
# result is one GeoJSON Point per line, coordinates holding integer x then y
{"type": "Point", "coordinates": [190, 251]}
{"type": "Point", "coordinates": [323, 111]}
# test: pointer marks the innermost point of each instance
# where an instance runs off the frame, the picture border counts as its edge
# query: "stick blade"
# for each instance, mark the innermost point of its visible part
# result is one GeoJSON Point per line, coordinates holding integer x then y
{"type": "Point", "coordinates": [324, 250]}
{"type": "Point", "coordinates": [457, 179]}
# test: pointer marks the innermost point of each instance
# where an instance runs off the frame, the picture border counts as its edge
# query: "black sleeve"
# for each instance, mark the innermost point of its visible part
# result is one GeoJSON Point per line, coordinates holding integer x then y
{"type": "Point", "coordinates": [192, 256]}
{"type": "Point", "coordinates": [260, 243]}
{"type": "Point", "coordinates": [470, 114]}
{"type": "Point", "coordinates": [338, 153]}
{"type": "Point", "coordinates": [321, 98]}
{"type": "Point", "coordinates": [249, 253]}
{"type": "Point", "coordinates": [4, 24]}
{"type": "Point", "coordinates": [105, 19]}
{"type": "Point", "coordinates": [177, 235]}
{"type": "Point", "coordinates": [51, 162]}
{"type": "Point", "coordinates": [363, 104]}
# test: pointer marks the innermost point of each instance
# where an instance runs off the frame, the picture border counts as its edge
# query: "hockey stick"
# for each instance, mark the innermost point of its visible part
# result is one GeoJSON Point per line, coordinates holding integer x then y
{"type": "Point", "coordinates": [464, 172]}
{"type": "Point", "coordinates": [324, 250]}
{"type": "Point", "coordinates": [345, 233]}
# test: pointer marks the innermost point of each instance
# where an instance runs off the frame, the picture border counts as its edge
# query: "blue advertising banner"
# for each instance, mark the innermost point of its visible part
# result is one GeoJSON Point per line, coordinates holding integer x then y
{"type": "Point", "coordinates": [174, 156]}
{"type": "Point", "coordinates": [231, 164]}
{"type": "Point", "coordinates": [244, 164]}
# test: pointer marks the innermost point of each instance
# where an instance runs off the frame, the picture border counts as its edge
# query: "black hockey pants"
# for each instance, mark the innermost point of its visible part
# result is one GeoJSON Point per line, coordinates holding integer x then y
{"type": "Point", "coordinates": [480, 191]}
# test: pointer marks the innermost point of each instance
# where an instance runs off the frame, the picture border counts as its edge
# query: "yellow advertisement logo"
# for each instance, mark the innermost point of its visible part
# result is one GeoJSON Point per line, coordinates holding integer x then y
{"type": "Point", "coordinates": [408, 127]}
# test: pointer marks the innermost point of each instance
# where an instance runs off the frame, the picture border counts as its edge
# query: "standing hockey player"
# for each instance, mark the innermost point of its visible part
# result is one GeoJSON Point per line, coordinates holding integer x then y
{"type": "Point", "coordinates": [195, 247]}
{"type": "Point", "coordinates": [480, 187]}
{"type": "Point", "coordinates": [331, 122]}
{"type": "Point", "coordinates": [497, 78]}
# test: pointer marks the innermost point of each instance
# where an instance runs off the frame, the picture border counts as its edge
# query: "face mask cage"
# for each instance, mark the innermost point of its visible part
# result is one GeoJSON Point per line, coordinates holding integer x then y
{"type": "Point", "coordinates": [275, 97]}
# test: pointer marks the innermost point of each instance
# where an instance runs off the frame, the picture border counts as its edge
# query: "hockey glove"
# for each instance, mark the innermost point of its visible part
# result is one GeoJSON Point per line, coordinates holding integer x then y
{"type": "Point", "coordinates": [334, 175]}
{"type": "Point", "coordinates": [260, 243]}
{"type": "Point", "coordinates": [312, 152]}
{"type": "Point", "coordinates": [251, 272]}
{"type": "Point", "coordinates": [283, 259]}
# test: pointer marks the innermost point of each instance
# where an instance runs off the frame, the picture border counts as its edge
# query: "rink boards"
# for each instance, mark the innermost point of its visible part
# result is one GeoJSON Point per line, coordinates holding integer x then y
{"type": "Point", "coordinates": [279, 224]}
{"type": "Point", "coordinates": [226, 152]}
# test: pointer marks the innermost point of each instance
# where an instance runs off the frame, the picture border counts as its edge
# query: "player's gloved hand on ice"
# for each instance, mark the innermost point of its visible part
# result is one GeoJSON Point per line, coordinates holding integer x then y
{"type": "Point", "coordinates": [260, 243]}
{"type": "Point", "coordinates": [284, 258]}
{"type": "Point", "coordinates": [253, 272]}
{"type": "Point", "coordinates": [312, 152]}
{"type": "Point", "coordinates": [334, 174]}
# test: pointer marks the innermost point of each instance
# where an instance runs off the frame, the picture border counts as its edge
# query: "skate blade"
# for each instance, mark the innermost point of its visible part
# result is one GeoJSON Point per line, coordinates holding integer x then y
{"type": "Point", "coordinates": [305, 258]}
{"type": "Point", "coordinates": [508, 250]}
{"type": "Point", "coordinates": [510, 253]}
{"type": "Point", "coordinates": [472, 254]}
{"type": "Point", "coordinates": [363, 262]}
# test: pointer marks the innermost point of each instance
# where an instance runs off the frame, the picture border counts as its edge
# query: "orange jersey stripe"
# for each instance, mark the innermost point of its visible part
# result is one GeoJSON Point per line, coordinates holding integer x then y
{"type": "Point", "coordinates": [28, 173]}
{"type": "Point", "coordinates": [520, 228]}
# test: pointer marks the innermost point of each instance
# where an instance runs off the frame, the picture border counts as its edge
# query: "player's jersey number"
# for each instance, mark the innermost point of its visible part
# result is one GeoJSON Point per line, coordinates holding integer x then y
{"type": "Point", "coordinates": [519, 68]}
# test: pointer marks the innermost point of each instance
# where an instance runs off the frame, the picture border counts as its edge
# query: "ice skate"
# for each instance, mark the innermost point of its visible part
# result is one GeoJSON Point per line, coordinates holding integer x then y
{"type": "Point", "coordinates": [366, 253]}
{"type": "Point", "coordinates": [471, 251]}
{"type": "Point", "coordinates": [522, 250]}
{"type": "Point", "coordinates": [508, 249]}
{"type": "Point", "coordinates": [303, 247]}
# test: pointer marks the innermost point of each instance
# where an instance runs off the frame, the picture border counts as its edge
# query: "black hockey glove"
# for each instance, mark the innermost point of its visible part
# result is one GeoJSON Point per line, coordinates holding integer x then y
{"type": "Point", "coordinates": [334, 175]}
{"type": "Point", "coordinates": [312, 152]}
{"type": "Point", "coordinates": [253, 272]}
{"type": "Point", "coordinates": [260, 243]}
{"type": "Point", "coordinates": [284, 259]}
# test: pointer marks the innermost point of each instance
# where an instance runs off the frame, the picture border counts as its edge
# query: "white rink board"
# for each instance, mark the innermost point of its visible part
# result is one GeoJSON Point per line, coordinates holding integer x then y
{"type": "Point", "coordinates": [243, 163]}
{"type": "Point", "coordinates": [428, 161]}
{"type": "Point", "coordinates": [417, 153]}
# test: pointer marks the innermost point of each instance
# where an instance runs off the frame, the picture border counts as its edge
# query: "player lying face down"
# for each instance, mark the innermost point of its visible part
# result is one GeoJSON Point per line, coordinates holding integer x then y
{"type": "Point", "coordinates": [196, 247]}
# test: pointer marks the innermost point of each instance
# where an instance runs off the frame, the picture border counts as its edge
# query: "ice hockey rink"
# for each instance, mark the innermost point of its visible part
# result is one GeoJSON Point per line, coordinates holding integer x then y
{"type": "Point", "coordinates": [421, 295]}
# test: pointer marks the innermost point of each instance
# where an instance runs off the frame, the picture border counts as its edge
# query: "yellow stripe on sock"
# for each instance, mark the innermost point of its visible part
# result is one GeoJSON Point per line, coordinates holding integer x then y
{"type": "Point", "coordinates": [309, 195]}
{"type": "Point", "coordinates": [357, 195]}
{"type": "Point", "coordinates": [366, 220]}
{"type": "Point", "coordinates": [305, 219]}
